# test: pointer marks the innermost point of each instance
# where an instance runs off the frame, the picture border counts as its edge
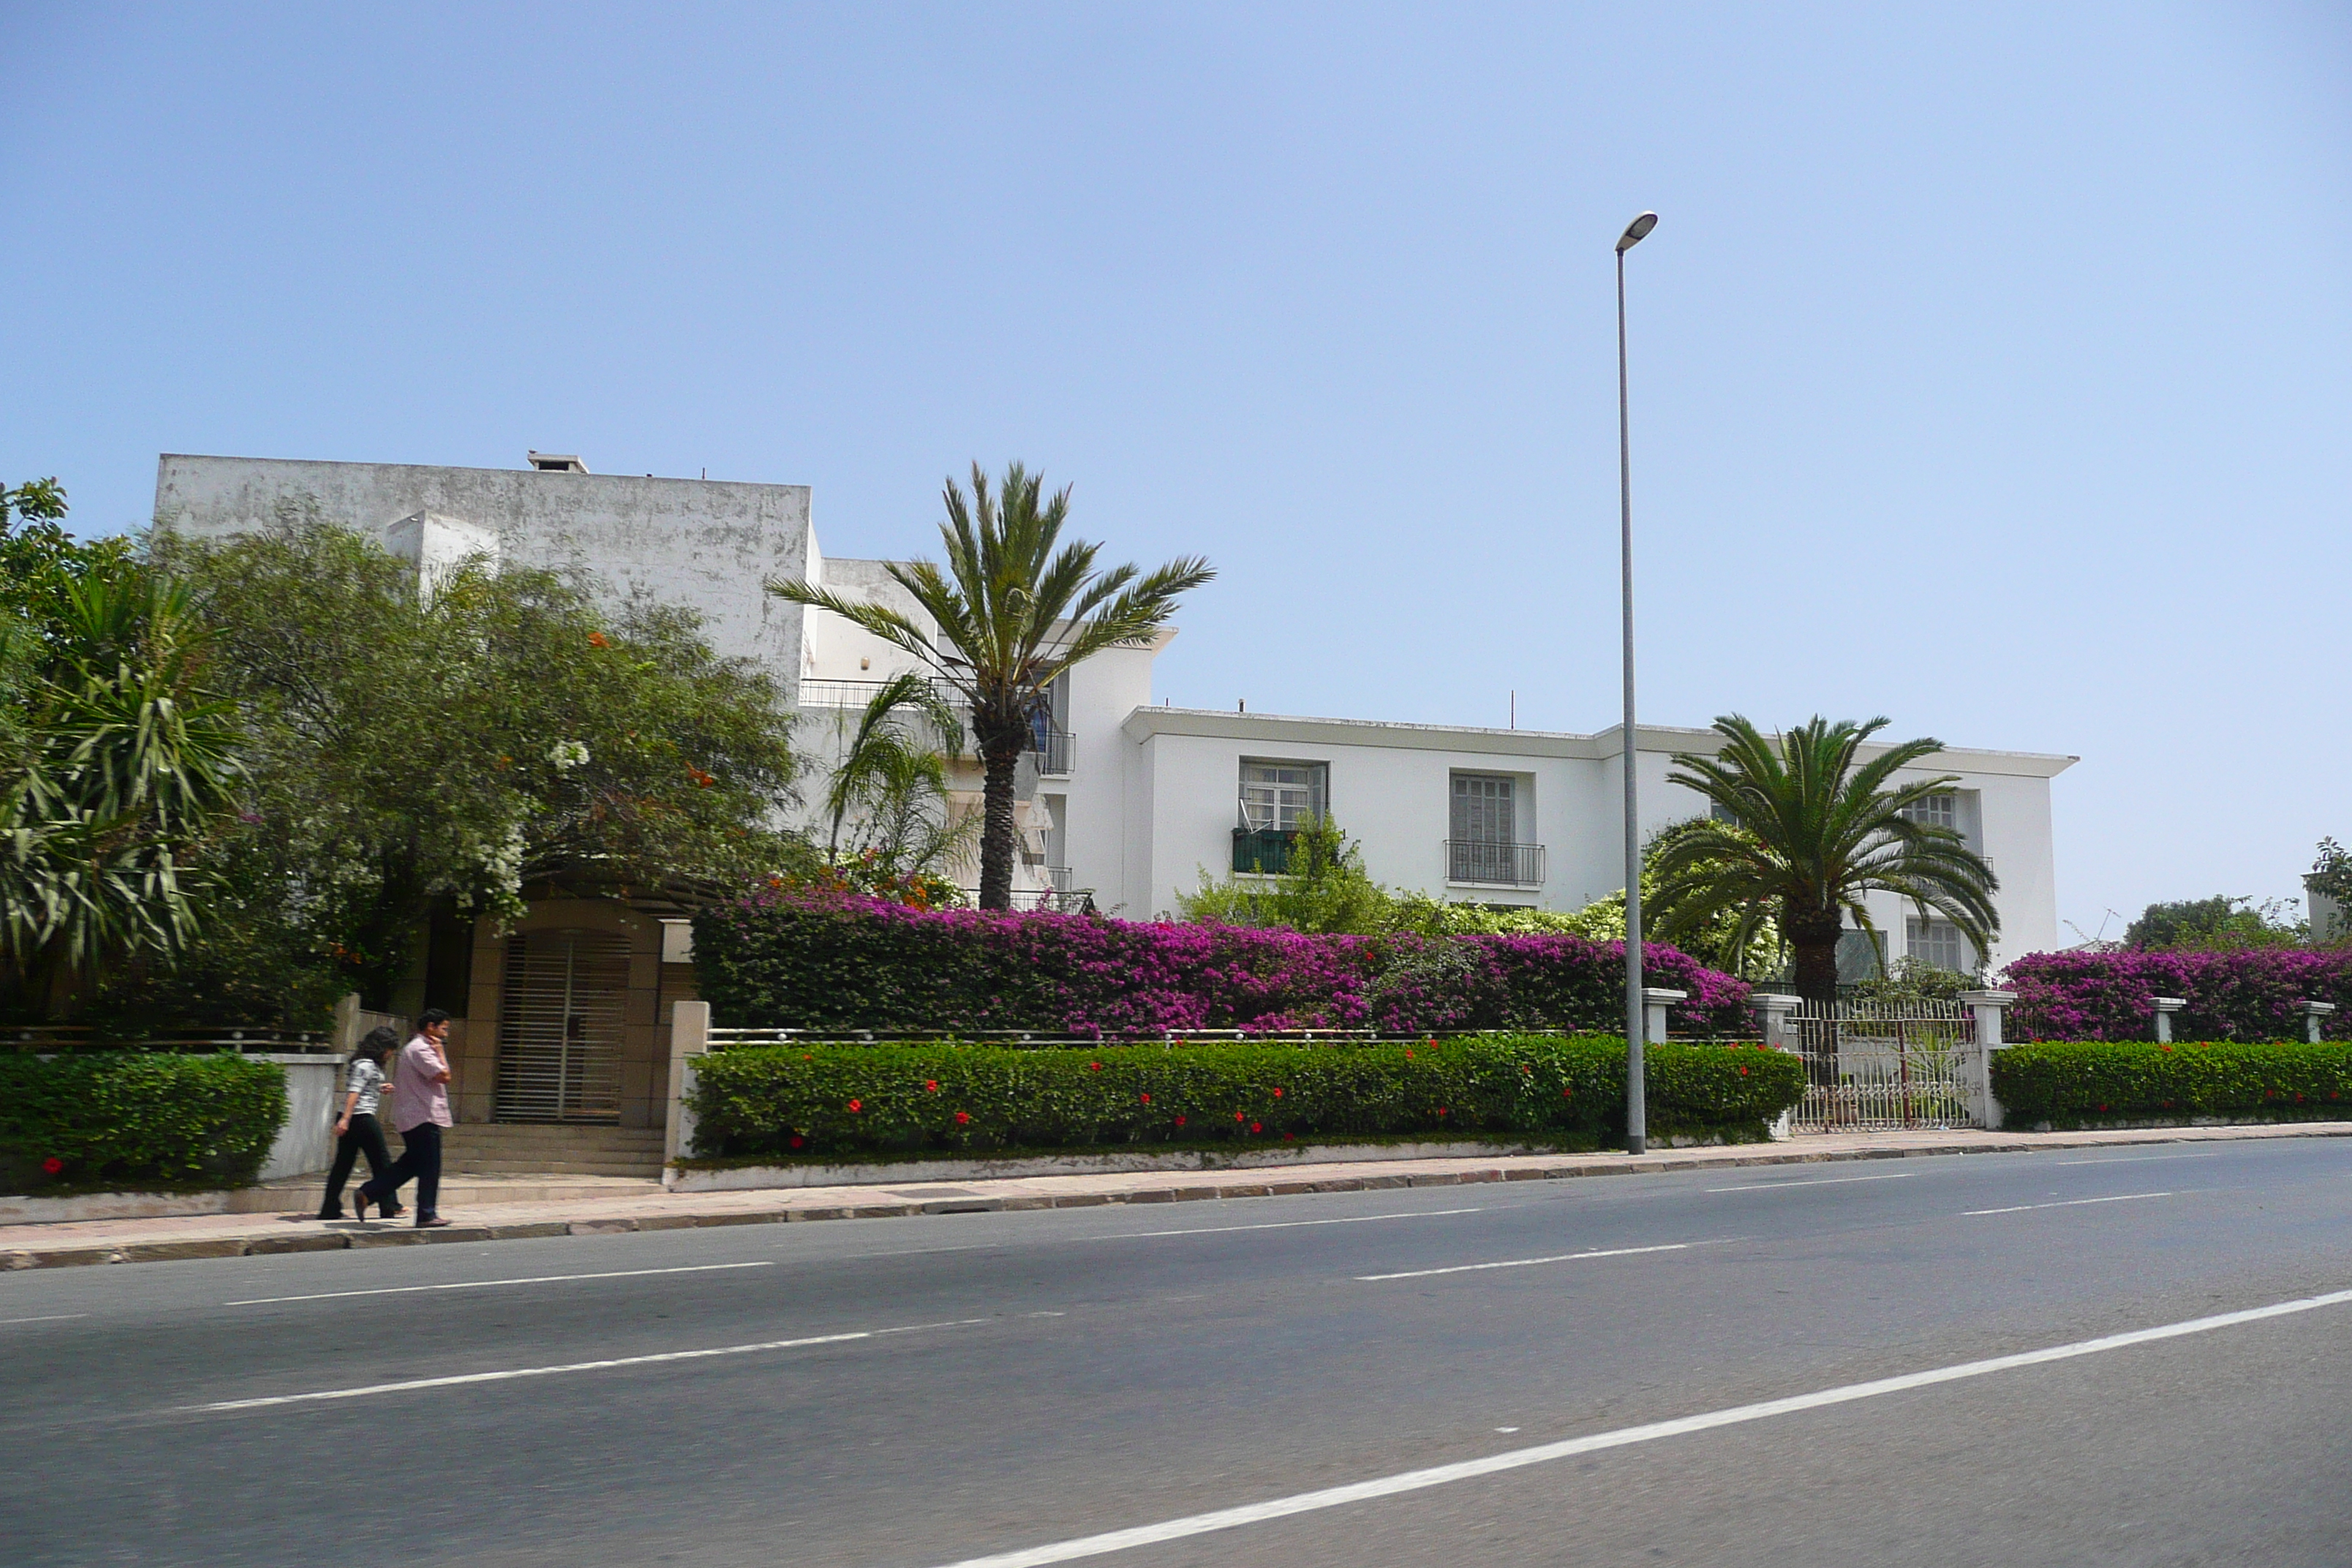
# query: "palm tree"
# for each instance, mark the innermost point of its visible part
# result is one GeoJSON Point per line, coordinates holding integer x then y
{"type": "Point", "coordinates": [894, 773]}
{"type": "Point", "coordinates": [1013, 613]}
{"type": "Point", "coordinates": [1801, 831]}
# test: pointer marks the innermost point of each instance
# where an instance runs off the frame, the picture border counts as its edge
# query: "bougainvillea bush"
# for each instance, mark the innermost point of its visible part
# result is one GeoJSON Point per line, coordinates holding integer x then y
{"type": "Point", "coordinates": [2070, 1082]}
{"type": "Point", "coordinates": [2248, 994]}
{"type": "Point", "coordinates": [785, 959]}
{"type": "Point", "coordinates": [135, 1119]}
{"type": "Point", "coordinates": [804, 1101]}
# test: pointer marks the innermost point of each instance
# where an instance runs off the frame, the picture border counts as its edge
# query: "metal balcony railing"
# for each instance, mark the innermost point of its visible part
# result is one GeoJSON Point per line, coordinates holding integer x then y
{"type": "Point", "coordinates": [1493, 865]}
{"type": "Point", "coordinates": [1056, 751]}
{"type": "Point", "coordinates": [1266, 850]}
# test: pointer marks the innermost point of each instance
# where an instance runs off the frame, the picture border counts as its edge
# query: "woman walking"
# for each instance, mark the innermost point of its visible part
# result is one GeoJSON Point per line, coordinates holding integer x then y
{"type": "Point", "coordinates": [357, 1130]}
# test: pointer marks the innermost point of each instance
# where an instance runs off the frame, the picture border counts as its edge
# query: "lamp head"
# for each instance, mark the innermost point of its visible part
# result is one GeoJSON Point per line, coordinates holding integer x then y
{"type": "Point", "coordinates": [1636, 231]}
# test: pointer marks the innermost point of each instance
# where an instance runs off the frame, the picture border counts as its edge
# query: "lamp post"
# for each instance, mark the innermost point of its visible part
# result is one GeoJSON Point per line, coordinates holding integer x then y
{"type": "Point", "coordinates": [1637, 1110]}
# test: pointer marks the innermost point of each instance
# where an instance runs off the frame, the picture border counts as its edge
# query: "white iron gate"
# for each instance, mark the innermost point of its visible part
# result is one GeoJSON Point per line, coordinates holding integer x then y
{"type": "Point", "coordinates": [560, 1027]}
{"type": "Point", "coordinates": [1879, 1067]}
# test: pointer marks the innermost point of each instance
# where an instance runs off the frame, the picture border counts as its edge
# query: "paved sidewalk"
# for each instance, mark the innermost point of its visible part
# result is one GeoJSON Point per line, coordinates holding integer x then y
{"type": "Point", "coordinates": [233, 1236]}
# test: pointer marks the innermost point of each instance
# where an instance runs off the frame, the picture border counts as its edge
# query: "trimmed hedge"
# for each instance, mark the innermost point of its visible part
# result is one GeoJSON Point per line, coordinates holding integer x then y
{"type": "Point", "coordinates": [136, 1119]}
{"type": "Point", "coordinates": [789, 960]}
{"type": "Point", "coordinates": [801, 1102]}
{"type": "Point", "coordinates": [2251, 994]}
{"type": "Point", "coordinates": [2069, 1082]}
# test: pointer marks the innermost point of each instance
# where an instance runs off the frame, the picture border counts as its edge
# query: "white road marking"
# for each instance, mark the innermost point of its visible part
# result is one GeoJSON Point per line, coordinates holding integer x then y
{"type": "Point", "coordinates": [1274, 1224]}
{"type": "Point", "coordinates": [2128, 1159]}
{"type": "Point", "coordinates": [1520, 1459]}
{"type": "Point", "coordinates": [487, 1284]}
{"type": "Point", "coordinates": [1531, 1262]}
{"type": "Point", "coordinates": [50, 1318]}
{"type": "Point", "coordinates": [2069, 1203]}
{"type": "Point", "coordinates": [457, 1379]}
{"type": "Point", "coordinates": [1815, 1182]}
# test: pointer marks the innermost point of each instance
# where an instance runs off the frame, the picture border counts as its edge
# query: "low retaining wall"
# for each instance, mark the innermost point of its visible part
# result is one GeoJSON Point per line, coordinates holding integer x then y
{"type": "Point", "coordinates": [306, 1142]}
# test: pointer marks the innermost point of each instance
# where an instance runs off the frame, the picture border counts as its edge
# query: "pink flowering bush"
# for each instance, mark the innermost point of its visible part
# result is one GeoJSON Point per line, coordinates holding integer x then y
{"type": "Point", "coordinates": [785, 958]}
{"type": "Point", "coordinates": [2252, 994]}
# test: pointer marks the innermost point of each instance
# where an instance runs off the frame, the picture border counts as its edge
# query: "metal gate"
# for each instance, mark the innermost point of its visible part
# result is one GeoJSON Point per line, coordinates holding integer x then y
{"type": "Point", "coordinates": [560, 1023]}
{"type": "Point", "coordinates": [1878, 1067]}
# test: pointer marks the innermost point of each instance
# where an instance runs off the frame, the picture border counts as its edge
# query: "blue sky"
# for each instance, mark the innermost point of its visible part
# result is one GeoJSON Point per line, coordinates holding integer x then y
{"type": "Point", "coordinates": [1992, 363]}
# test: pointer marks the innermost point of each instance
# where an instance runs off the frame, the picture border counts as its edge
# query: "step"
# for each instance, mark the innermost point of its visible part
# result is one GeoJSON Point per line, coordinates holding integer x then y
{"type": "Point", "coordinates": [650, 1169]}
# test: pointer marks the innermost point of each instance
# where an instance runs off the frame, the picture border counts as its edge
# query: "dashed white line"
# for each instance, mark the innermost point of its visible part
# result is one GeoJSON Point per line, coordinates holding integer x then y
{"type": "Point", "coordinates": [1531, 1262]}
{"type": "Point", "coordinates": [457, 1379]}
{"type": "Point", "coordinates": [1815, 1182]}
{"type": "Point", "coordinates": [488, 1284]}
{"type": "Point", "coordinates": [47, 1318]}
{"type": "Point", "coordinates": [1520, 1459]}
{"type": "Point", "coordinates": [2131, 1159]}
{"type": "Point", "coordinates": [1274, 1224]}
{"type": "Point", "coordinates": [2068, 1204]}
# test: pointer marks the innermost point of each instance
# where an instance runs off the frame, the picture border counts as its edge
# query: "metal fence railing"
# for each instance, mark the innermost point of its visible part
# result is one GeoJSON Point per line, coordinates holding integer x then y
{"type": "Point", "coordinates": [1495, 865]}
{"type": "Point", "coordinates": [50, 1038]}
{"type": "Point", "coordinates": [1877, 1066]}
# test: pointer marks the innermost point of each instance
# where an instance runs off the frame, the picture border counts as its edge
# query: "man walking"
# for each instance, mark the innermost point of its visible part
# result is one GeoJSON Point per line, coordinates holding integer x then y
{"type": "Point", "coordinates": [420, 1109]}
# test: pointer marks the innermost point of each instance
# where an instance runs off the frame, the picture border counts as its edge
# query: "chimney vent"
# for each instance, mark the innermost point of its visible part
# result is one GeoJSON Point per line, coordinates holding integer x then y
{"type": "Point", "coordinates": [556, 463]}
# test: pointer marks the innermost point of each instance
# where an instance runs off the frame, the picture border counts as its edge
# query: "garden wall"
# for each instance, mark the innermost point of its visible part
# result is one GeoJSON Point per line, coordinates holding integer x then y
{"type": "Point", "coordinates": [787, 960]}
{"type": "Point", "coordinates": [2252, 994]}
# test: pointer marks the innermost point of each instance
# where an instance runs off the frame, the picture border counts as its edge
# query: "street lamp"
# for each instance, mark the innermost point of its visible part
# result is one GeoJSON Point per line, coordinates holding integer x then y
{"type": "Point", "coordinates": [1637, 1110]}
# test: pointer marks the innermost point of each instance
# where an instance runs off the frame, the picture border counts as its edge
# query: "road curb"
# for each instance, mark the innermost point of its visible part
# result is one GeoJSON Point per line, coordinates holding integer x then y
{"type": "Point", "coordinates": [1192, 1191]}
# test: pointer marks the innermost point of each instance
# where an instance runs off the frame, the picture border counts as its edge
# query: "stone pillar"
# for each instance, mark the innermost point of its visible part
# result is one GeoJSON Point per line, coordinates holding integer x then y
{"type": "Point", "coordinates": [690, 1038]}
{"type": "Point", "coordinates": [2165, 1006]}
{"type": "Point", "coordinates": [1656, 1000]}
{"type": "Point", "coordinates": [347, 1025]}
{"type": "Point", "coordinates": [1772, 1011]}
{"type": "Point", "coordinates": [2313, 1012]}
{"type": "Point", "coordinates": [1988, 1006]}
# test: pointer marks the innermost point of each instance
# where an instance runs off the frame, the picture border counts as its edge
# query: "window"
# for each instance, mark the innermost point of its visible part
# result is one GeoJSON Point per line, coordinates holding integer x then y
{"type": "Point", "coordinates": [1283, 797]}
{"type": "Point", "coordinates": [1481, 809]}
{"type": "Point", "coordinates": [1939, 944]}
{"type": "Point", "coordinates": [1941, 809]}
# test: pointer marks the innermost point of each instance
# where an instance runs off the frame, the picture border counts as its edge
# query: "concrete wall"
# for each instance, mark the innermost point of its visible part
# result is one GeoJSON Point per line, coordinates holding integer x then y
{"type": "Point", "coordinates": [306, 1142]}
{"type": "Point", "coordinates": [706, 543]}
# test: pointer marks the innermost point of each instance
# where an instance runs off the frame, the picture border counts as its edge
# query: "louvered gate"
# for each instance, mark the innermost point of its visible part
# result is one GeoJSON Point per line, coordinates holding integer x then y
{"type": "Point", "coordinates": [560, 1020]}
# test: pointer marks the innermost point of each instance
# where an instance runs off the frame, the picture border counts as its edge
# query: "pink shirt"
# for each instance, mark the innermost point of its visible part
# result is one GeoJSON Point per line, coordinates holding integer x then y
{"type": "Point", "coordinates": [416, 1098]}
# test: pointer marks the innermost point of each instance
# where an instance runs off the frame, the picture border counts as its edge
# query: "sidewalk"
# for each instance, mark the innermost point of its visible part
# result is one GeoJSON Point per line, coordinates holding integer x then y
{"type": "Point", "coordinates": [237, 1236]}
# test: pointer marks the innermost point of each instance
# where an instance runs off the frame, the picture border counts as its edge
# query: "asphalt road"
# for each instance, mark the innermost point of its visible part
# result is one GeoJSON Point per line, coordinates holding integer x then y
{"type": "Point", "coordinates": [919, 1393]}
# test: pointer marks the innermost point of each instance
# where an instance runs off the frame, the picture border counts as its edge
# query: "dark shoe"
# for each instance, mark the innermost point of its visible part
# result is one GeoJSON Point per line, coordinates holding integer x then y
{"type": "Point", "coordinates": [359, 1201]}
{"type": "Point", "coordinates": [388, 1210]}
{"type": "Point", "coordinates": [433, 1223]}
{"type": "Point", "coordinates": [331, 1213]}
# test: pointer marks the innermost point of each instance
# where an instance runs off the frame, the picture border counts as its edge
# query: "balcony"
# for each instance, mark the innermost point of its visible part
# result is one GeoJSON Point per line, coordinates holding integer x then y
{"type": "Point", "coordinates": [1056, 751]}
{"type": "Point", "coordinates": [1493, 865]}
{"type": "Point", "coordinates": [1264, 849]}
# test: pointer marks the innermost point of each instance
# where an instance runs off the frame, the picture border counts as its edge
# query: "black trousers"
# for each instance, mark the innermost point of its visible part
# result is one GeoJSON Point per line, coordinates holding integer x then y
{"type": "Point", "coordinates": [420, 1158]}
{"type": "Point", "coordinates": [364, 1135]}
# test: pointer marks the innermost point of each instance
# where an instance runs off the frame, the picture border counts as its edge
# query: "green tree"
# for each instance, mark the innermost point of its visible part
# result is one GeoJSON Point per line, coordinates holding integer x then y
{"type": "Point", "coordinates": [890, 788]}
{"type": "Point", "coordinates": [504, 732]}
{"type": "Point", "coordinates": [117, 759]}
{"type": "Point", "coordinates": [1013, 612]}
{"type": "Point", "coordinates": [2216, 924]}
{"type": "Point", "coordinates": [1809, 830]}
{"type": "Point", "coordinates": [1324, 891]}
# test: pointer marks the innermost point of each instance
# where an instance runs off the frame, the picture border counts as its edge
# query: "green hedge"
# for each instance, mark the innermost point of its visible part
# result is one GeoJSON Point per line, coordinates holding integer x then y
{"type": "Point", "coordinates": [801, 1102]}
{"type": "Point", "coordinates": [136, 1119]}
{"type": "Point", "coordinates": [2067, 1083]}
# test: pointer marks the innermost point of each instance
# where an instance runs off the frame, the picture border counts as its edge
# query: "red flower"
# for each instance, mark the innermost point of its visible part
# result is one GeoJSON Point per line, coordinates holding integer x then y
{"type": "Point", "coordinates": [797, 1140]}
{"type": "Point", "coordinates": [857, 1105]}
{"type": "Point", "coordinates": [1408, 1053]}
{"type": "Point", "coordinates": [1239, 1117]}
{"type": "Point", "coordinates": [596, 639]}
{"type": "Point", "coordinates": [1180, 1122]}
{"type": "Point", "coordinates": [1146, 1100]}
{"type": "Point", "coordinates": [1094, 1066]}
{"type": "Point", "coordinates": [1568, 1093]}
{"type": "Point", "coordinates": [932, 1084]}
{"type": "Point", "coordinates": [962, 1117]}
{"type": "Point", "coordinates": [1277, 1094]}
{"type": "Point", "coordinates": [1286, 1138]}
{"type": "Point", "coordinates": [53, 1164]}
{"type": "Point", "coordinates": [1743, 1072]}
{"type": "Point", "coordinates": [1441, 1111]}
{"type": "Point", "coordinates": [1256, 1128]}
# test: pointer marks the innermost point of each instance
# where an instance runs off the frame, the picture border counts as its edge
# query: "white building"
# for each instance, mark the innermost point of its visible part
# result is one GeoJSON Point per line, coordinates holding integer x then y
{"type": "Point", "coordinates": [1122, 799]}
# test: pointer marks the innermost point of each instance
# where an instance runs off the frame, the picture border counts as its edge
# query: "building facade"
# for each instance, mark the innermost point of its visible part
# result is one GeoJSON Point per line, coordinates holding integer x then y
{"type": "Point", "coordinates": [1124, 805]}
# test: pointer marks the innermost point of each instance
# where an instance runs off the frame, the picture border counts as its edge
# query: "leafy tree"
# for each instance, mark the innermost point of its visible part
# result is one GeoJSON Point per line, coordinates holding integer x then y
{"type": "Point", "coordinates": [1324, 891]}
{"type": "Point", "coordinates": [1811, 829]}
{"type": "Point", "coordinates": [1013, 613]}
{"type": "Point", "coordinates": [502, 732]}
{"type": "Point", "coordinates": [117, 759]}
{"type": "Point", "coordinates": [2220, 924]}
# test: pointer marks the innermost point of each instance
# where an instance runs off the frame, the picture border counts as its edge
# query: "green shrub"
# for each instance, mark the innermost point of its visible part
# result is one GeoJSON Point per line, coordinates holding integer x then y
{"type": "Point", "coordinates": [2068, 1082]}
{"type": "Point", "coordinates": [797, 1101]}
{"type": "Point", "coordinates": [136, 1119]}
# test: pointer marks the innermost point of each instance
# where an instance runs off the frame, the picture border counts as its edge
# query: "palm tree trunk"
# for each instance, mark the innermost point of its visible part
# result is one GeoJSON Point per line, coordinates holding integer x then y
{"type": "Point", "coordinates": [1814, 941]}
{"type": "Point", "coordinates": [996, 829]}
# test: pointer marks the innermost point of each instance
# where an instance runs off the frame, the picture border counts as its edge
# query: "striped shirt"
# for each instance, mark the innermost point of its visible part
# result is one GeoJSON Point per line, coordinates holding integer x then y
{"type": "Point", "coordinates": [366, 1080]}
